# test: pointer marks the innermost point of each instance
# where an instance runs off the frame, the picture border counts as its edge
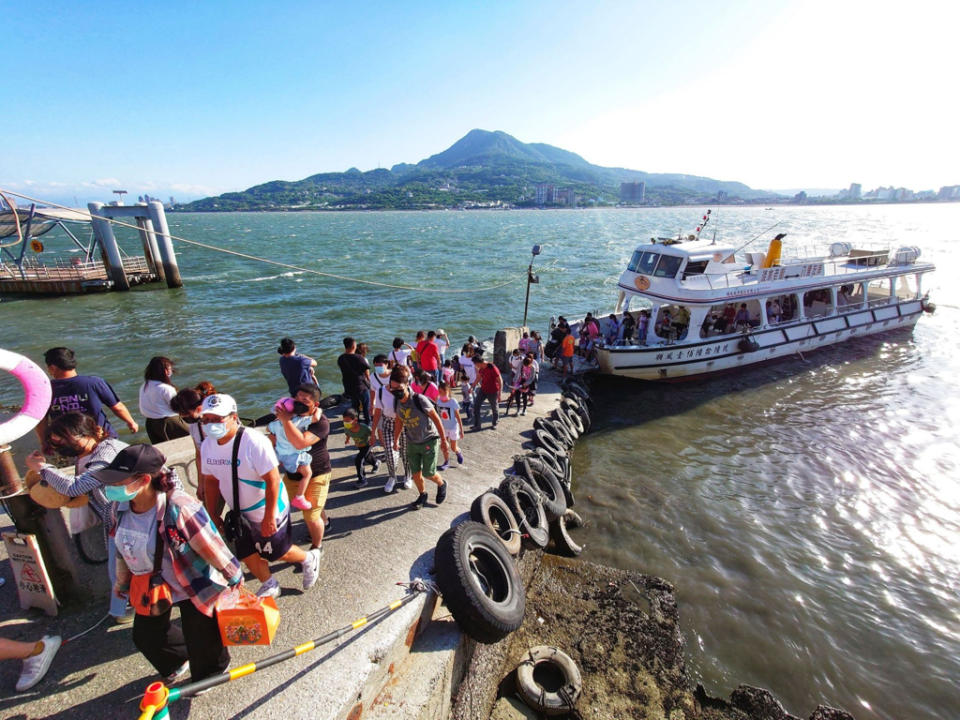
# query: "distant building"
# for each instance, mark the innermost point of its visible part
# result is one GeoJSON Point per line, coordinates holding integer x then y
{"type": "Point", "coordinates": [722, 196]}
{"type": "Point", "coordinates": [633, 192]}
{"type": "Point", "coordinates": [567, 196]}
{"type": "Point", "coordinates": [854, 192]}
{"type": "Point", "coordinates": [949, 192]}
{"type": "Point", "coordinates": [546, 194]}
{"type": "Point", "coordinates": [801, 196]}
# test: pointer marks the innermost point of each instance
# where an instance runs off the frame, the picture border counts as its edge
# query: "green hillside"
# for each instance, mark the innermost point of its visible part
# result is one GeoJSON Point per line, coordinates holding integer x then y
{"type": "Point", "coordinates": [482, 169]}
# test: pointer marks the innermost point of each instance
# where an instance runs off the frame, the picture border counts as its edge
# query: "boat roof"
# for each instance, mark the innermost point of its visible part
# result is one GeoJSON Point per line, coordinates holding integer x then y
{"type": "Point", "coordinates": [688, 248]}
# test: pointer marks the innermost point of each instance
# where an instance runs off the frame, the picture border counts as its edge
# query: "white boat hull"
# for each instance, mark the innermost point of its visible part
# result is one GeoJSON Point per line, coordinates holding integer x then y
{"type": "Point", "coordinates": [696, 357]}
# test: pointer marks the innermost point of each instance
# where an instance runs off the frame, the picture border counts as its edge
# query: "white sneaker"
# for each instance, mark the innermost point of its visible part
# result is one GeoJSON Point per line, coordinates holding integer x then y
{"type": "Point", "coordinates": [389, 484]}
{"type": "Point", "coordinates": [35, 667]}
{"type": "Point", "coordinates": [177, 675]}
{"type": "Point", "coordinates": [271, 588]}
{"type": "Point", "coordinates": [311, 568]}
{"type": "Point", "coordinates": [407, 483]}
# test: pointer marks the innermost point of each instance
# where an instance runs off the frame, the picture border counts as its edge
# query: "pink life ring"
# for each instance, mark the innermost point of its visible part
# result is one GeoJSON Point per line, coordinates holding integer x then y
{"type": "Point", "coordinates": [36, 395]}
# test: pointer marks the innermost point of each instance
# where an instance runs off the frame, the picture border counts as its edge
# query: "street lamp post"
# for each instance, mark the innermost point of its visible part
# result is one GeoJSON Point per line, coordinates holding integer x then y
{"type": "Point", "coordinates": [531, 279]}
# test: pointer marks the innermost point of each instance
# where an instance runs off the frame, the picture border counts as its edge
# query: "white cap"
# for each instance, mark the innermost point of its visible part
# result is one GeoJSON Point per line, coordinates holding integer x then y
{"type": "Point", "coordinates": [219, 404]}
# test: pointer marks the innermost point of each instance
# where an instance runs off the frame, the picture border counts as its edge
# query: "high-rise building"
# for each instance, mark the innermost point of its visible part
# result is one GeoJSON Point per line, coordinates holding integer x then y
{"type": "Point", "coordinates": [633, 192]}
{"type": "Point", "coordinates": [854, 192]}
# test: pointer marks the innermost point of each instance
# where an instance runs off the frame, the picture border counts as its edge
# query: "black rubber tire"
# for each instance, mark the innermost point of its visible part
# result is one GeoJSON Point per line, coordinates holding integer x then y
{"type": "Point", "coordinates": [490, 509]}
{"type": "Point", "coordinates": [547, 441]}
{"type": "Point", "coordinates": [575, 388]}
{"type": "Point", "coordinates": [547, 425]}
{"type": "Point", "coordinates": [551, 489]}
{"type": "Point", "coordinates": [554, 462]}
{"type": "Point", "coordinates": [574, 417]}
{"type": "Point", "coordinates": [549, 681]}
{"type": "Point", "coordinates": [90, 545]}
{"type": "Point", "coordinates": [563, 543]}
{"type": "Point", "coordinates": [561, 433]}
{"type": "Point", "coordinates": [576, 404]}
{"type": "Point", "coordinates": [479, 582]}
{"type": "Point", "coordinates": [557, 415]}
{"type": "Point", "coordinates": [527, 506]}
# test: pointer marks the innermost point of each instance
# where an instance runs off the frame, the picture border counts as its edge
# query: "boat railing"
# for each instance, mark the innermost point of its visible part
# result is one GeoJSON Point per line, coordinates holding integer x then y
{"type": "Point", "coordinates": [743, 274]}
{"type": "Point", "coordinates": [70, 269]}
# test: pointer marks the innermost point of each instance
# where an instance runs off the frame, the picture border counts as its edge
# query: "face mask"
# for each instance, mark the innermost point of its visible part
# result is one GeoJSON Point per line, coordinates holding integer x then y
{"type": "Point", "coordinates": [299, 408]}
{"type": "Point", "coordinates": [216, 430]}
{"type": "Point", "coordinates": [380, 370]}
{"type": "Point", "coordinates": [118, 493]}
{"type": "Point", "coordinates": [349, 425]}
{"type": "Point", "coordinates": [398, 394]}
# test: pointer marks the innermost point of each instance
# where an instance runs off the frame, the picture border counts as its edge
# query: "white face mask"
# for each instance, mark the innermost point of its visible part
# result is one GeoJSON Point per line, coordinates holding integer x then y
{"type": "Point", "coordinates": [216, 429]}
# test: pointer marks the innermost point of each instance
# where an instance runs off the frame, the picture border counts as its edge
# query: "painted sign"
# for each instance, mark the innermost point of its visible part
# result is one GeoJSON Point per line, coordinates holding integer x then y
{"type": "Point", "coordinates": [33, 582]}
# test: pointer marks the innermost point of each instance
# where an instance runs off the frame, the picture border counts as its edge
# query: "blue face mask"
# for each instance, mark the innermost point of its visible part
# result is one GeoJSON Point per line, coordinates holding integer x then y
{"type": "Point", "coordinates": [118, 493]}
{"type": "Point", "coordinates": [215, 430]}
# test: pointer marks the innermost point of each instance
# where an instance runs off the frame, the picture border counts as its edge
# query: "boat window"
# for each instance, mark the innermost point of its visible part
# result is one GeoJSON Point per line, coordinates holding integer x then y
{"type": "Point", "coordinates": [668, 266]}
{"type": "Point", "coordinates": [878, 291]}
{"type": "Point", "coordinates": [695, 267]}
{"type": "Point", "coordinates": [727, 318]}
{"type": "Point", "coordinates": [817, 303]}
{"type": "Point", "coordinates": [643, 261]}
{"type": "Point", "coordinates": [780, 308]}
{"type": "Point", "coordinates": [907, 287]}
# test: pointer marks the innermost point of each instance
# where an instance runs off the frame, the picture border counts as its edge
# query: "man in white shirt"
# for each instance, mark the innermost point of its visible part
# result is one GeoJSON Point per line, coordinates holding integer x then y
{"type": "Point", "coordinates": [263, 531]}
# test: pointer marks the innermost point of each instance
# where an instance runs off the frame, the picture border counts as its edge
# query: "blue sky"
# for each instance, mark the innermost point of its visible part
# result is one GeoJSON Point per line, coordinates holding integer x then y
{"type": "Point", "coordinates": [194, 98]}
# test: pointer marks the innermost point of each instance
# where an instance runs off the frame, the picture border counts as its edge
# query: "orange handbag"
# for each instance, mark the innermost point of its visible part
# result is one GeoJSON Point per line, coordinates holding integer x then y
{"type": "Point", "coordinates": [245, 619]}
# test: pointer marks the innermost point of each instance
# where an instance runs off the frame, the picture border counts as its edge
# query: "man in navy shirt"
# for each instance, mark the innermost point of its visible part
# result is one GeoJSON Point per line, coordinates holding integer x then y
{"type": "Point", "coordinates": [87, 394]}
{"type": "Point", "coordinates": [296, 369]}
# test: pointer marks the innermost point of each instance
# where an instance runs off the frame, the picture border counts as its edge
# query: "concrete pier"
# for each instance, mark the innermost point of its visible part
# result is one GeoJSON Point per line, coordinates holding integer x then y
{"type": "Point", "coordinates": [374, 542]}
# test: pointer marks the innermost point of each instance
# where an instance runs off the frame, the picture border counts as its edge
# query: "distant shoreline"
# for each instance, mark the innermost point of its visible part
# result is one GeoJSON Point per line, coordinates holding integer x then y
{"type": "Point", "coordinates": [764, 205]}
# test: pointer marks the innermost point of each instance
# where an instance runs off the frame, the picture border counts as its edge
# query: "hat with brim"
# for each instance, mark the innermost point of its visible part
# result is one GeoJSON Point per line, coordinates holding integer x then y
{"type": "Point", "coordinates": [220, 404]}
{"type": "Point", "coordinates": [132, 460]}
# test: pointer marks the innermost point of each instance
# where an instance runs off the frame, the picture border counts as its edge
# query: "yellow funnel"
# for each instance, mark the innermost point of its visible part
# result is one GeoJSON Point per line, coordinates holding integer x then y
{"type": "Point", "coordinates": [773, 253]}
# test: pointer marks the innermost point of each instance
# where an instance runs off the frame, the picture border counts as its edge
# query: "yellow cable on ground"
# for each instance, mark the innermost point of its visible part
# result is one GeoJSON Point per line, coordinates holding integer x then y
{"type": "Point", "coordinates": [268, 261]}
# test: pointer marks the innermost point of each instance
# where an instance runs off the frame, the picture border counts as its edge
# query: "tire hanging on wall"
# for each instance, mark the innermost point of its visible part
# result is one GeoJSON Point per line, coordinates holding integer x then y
{"type": "Point", "coordinates": [527, 507]}
{"type": "Point", "coordinates": [548, 425]}
{"type": "Point", "coordinates": [560, 534]}
{"type": "Point", "coordinates": [479, 582]}
{"type": "Point", "coordinates": [548, 442]}
{"type": "Point", "coordinates": [490, 510]}
{"type": "Point", "coordinates": [557, 415]}
{"type": "Point", "coordinates": [577, 405]}
{"type": "Point", "coordinates": [554, 462]}
{"type": "Point", "coordinates": [543, 459]}
{"type": "Point", "coordinates": [561, 433]}
{"type": "Point", "coordinates": [574, 418]}
{"type": "Point", "coordinates": [575, 388]}
{"type": "Point", "coordinates": [549, 681]}
{"type": "Point", "coordinates": [551, 489]}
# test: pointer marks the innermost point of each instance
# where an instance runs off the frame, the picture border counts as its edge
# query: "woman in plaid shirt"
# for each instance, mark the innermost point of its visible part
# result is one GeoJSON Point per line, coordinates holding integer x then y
{"type": "Point", "coordinates": [195, 562]}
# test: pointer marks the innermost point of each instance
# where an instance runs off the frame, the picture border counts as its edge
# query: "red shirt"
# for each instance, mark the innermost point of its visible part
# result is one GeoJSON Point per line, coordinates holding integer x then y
{"type": "Point", "coordinates": [489, 379]}
{"type": "Point", "coordinates": [429, 355]}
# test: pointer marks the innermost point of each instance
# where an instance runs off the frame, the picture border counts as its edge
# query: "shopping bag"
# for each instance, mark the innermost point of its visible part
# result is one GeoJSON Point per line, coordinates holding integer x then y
{"type": "Point", "coordinates": [246, 619]}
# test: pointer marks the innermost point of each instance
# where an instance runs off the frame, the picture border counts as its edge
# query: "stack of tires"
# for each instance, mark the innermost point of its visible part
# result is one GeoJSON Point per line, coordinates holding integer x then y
{"type": "Point", "coordinates": [475, 568]}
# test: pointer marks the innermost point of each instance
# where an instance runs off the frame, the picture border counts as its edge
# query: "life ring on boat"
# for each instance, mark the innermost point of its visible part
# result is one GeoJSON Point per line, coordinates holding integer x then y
{"type": "Point", "coordinates": [641, 282]}
{"type": "Point", "coordinates": [527, 506]}
{"type": "Point", "coordinates": [36, 395]}
{"type": "Point", "coordinates": [479, 582]}
{"type": "Point", "coordinates": [559, 533]}
{"type": "Point", "coordinates": [489, 509]}
{"type": "Point", "coordinates": [549, 681]}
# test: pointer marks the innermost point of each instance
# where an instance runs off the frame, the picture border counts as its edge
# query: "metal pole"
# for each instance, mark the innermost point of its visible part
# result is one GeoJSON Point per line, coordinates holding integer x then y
{"type": "Point", "coordinates": [526, 303]}
{"type": "Point", "coordinates": [165, 245]}
{"type": "Point", "coordinates": [111, 251]}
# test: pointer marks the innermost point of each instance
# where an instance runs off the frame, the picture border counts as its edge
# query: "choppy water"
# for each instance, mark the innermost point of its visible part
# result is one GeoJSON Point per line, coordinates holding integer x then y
{"type": "Point", "coordinates": [808, 512]}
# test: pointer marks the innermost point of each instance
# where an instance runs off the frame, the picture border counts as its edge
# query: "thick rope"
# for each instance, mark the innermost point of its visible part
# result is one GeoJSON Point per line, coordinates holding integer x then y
{"type": "Point", "coordinates": [16, 220]}
{"type": "Point", "coordinates": [267, 260]}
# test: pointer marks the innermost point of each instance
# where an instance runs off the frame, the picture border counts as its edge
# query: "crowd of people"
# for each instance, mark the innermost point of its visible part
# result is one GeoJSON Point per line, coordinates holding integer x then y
{"type": "Point", "coordinates": [196, 546]}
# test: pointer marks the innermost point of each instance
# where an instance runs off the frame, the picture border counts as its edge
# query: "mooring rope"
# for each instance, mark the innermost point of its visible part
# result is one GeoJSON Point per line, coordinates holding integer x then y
{"type": "Point", "coordinates": [16, 220]}
{"type": "Point", "coordinates": [256, 258]}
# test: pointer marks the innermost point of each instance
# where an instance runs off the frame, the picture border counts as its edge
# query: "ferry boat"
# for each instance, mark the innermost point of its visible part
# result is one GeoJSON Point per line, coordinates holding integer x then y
{"type": "Point", "coordinates": [710, 309]}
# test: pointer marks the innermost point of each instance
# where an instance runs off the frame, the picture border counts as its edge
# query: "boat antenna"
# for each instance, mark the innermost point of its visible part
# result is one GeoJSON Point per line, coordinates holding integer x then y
{"type": "Point", "coordinates": [703, 224]}
{"type": "Point", "coordinates": [762, 232]}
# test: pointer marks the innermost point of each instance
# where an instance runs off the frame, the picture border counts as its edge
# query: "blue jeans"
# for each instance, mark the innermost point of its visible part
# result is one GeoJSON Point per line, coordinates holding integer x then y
{"type": "Point", "coordinates": [362, 405]}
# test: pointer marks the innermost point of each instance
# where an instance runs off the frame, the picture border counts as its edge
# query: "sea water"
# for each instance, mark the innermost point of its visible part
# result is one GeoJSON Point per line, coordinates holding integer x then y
{"type": "Point", "coordinates": [807, 511]}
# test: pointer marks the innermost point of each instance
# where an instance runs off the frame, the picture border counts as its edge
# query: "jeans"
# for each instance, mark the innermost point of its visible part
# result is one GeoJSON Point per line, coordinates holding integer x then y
{"type": "Point", "coordinates": [362, 405]}
{"type": "Point", "coordinates": [118, 606]}
{"type": "Point", "coordinates": [494, 408]}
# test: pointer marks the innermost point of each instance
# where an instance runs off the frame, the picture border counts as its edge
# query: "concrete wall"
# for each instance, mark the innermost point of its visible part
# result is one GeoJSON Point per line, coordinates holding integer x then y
{"type": "Point", "coordinates": [504, 343]}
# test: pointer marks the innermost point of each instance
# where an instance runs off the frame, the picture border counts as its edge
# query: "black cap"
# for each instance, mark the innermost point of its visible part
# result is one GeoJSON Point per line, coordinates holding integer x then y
{"type": "Point", "coordinates": [132, 460]}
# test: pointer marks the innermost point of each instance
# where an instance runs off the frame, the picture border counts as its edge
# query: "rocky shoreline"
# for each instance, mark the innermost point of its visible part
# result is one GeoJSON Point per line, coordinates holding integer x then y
{"type": "Point", "coordinates": [622, 629]}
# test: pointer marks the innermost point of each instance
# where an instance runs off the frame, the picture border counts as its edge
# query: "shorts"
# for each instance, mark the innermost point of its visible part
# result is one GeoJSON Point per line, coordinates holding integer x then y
{"type": "Point", "coordinates": [291, 461]}
{"type": "Point", "coordinates": [422, 457]}
{"type": "Point", "coordinates": [452, 433]}
{"type": "Point", "coordinates": [567, 361]}
{"type": "Point", "coordinates": [316, 493]}
{"type": "Point", "coordinates": [251, 542]}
